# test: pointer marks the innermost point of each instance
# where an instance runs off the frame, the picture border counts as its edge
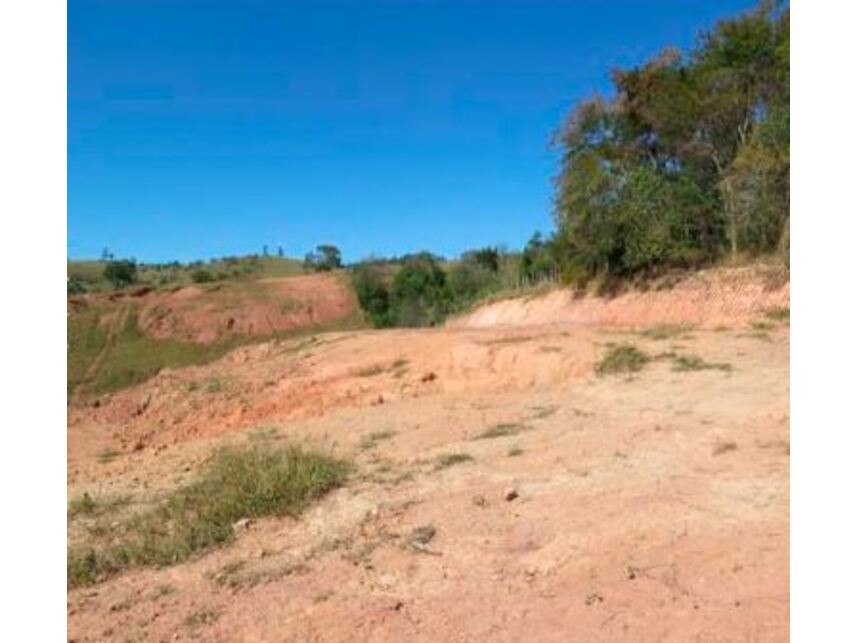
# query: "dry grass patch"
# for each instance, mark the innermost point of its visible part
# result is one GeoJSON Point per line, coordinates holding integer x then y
{"type": "Point", "coordinates": [236, 483]}
{"type": "Point", "coordinates": [451, 459]}
{"type": "Point", "coordinates": [624, 358]}
{"type": "Point", "coordinates": [502, 431]}
{"type": "Point", "coordinates": [695, 363]}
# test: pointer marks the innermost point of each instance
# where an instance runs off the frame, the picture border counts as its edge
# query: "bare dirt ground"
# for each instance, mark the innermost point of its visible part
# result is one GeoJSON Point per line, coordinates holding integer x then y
{"type": "Point", "coordinates": [645, 508]}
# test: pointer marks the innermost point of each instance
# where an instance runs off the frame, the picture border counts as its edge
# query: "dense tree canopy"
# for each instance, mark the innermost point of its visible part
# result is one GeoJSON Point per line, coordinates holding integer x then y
{"type": "Point", "coordinates": [689, 159]}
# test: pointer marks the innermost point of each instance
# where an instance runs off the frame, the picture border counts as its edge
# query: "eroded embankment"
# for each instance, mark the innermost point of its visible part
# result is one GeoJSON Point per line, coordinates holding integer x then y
{"type": "Point", "coordinates": [711, 297]}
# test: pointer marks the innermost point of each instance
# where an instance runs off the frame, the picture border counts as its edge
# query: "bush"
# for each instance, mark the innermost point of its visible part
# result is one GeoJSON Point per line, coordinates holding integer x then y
{"type": "Point", "coordinates": [325, 258]}
{"type": "Point", "coordinates": [201, 276]}
{"type": "Point", "coordinates": [372, 293]}
{"type": "Point", "coordinates": [420, 295]}
{"type": "Point", "coordinates": [121, 273]}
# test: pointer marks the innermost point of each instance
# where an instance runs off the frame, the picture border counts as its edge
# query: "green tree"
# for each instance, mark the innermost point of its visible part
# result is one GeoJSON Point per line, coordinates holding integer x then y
{"type": "Point", "coordinates": [121, 273]}
{"type": "Point", "coordinates": [326, 257]}
{"type": "Point", "coordinates": [420, 294]}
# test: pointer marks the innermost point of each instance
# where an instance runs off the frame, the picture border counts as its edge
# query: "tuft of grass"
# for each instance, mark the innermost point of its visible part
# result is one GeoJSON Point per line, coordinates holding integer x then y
{"type": "Point", "coordinates": [780, 314]}
{"type": "Point", "coordinates": [694, 363]}
{"type": "Point", "coordinates": [515, 452]}
{"type": "Point", "coordinates": [371, 440]}
{"type": "Point", "coordinates": [81, 505]}
{"type": "Point", "coordinates": [451, 459]}
{"type": "Point", "coordinates": [761, 325]}
{"type": "Point", "coordinates": [261, 434]}
{"type": "Point", "coordinates": [665, 331]}
{"type": "Point", "coordinates": [238, 482]}
{"type": "Point", "coordinates": [724, 447]}
{"type": "Point", "coordinates": [108, 455]}
{"type": "Point", "coordinates": [369, 371]}
{"type": "Point", "coordinates": [541, 412]}
{"type": "Point", "coordinates": [201, 618]}
{"type": "Point", "coordinates": [86, 505]}
{"type": "Point", "coordinates": [501, 431]}
{"type": "Point", "coordinates": [624, 358]}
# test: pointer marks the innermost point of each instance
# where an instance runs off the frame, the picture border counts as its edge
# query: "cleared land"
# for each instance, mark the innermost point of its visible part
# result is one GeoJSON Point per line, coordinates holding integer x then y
{"type": "Point", "coordinates": [502, 486]}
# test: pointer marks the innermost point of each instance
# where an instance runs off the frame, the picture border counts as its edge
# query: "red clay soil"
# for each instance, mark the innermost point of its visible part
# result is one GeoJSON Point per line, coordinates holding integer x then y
{"type": "Point", "coordinates": [709, 297]}
{"type": "Point", "coordinates": [646, 508]}
{"type": "Point", "coordinates": [208, 312]}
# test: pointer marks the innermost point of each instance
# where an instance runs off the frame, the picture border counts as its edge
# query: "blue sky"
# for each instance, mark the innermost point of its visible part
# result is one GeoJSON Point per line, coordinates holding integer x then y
{"type": "Point", "coordinates": [205, 128]}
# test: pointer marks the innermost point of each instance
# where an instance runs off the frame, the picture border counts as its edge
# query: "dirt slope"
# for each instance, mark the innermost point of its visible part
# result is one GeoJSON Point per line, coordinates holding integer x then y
{"type": "Point", "coordinates": [650, 508]}
{"type": "Point", "coordinates": [711, 297]}
{"type": "Point", "coordinates": [209, 312]}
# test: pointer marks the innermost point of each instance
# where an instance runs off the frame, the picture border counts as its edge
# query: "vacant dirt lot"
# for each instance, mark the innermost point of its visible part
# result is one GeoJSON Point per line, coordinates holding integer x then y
{"type": "Point", "coordinates": [643, 507]}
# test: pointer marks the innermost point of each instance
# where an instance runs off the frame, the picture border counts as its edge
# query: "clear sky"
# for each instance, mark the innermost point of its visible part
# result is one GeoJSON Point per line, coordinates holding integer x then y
{"type": "Point", "coordinates": [204, 128]}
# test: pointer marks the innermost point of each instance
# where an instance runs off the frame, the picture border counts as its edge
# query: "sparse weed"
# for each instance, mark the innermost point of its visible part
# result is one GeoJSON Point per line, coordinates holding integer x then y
{"type": "Point", "coordinates": [761, 325]}
{"type": "Point", "coordinates": [622, 359]}
{"type": "Point", "coordinates": [451, 459]}
{"type": "Point", "coordinates": [724, 447]}
{"type": "Point", "coordinates": [108, 455]}
{"type": "Point", "coordinates": [369, 371]}
{"type": "Point", "coordinates": [501, 431]}
{"type": "Point", "coordinates": [780, 314]}
{"type": "Point", "coordinates": [202, 617]}
{"type": "Point", "coordinates": [695, 363]}
{"type": "Point", "coordinates": [371, 440]}
{"type": "Point", "coordinates": [665, 331]}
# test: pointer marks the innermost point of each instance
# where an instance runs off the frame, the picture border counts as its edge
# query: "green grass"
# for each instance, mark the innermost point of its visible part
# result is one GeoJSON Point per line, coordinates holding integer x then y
{"type": "Point", "coordinates": [451, 459]}
{"type": "Point", "coordinates": [238, 482]}
{"type": "Point", "coordinates": [665, 331]}
{"type": "Point", "coordinates": [694, 363]}
{"type": "Point", "coordinates": [86, 505]}
{"type": "Point", "coordinates": [86, 339]}
{"type": "Point", "coordinates": [622, 359]}
{"type": "Point", "coordinates": [108, 455]}
{"type": "Point", "coordinates": [91, 273]}
{"type": "Point", "coordinates": [128, 356]}
{"type": "Point", "coordinates": [501, 431]}
{"type": "Point", "coordinates": [780, 314]}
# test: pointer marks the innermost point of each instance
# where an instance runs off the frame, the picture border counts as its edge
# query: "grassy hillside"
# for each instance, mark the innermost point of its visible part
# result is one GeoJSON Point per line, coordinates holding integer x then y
{"type": "Point", "coordinates": [107, 350]}
{"type": "Point", "coordinates": [90, 274]}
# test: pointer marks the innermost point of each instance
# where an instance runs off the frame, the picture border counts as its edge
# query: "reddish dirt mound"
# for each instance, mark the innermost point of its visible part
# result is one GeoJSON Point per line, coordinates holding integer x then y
{"type": "Point", "coordinates": [713, 297]}
{"type": "Point", "coordinates": [206, 313]}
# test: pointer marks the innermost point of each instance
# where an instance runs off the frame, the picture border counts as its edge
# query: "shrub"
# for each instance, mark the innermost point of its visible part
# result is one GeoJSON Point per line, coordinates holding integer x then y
{"type": "Point", "coordinates": [372, 293]}
{"type": "Point", "coordinates": [201, 276]}
{"type": "Point", "coordinates": [420, 294]}
{"type": "Point", "coordinates": [121, 273]}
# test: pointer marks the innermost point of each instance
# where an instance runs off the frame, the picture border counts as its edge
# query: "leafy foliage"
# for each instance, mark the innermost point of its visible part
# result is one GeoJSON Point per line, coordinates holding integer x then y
{"type": "Point", "coordinates": [688, 161]}
{"type": "Point", "coordinates": [121, 273]}
{"type": "Point", "coordinates": [325, 258]}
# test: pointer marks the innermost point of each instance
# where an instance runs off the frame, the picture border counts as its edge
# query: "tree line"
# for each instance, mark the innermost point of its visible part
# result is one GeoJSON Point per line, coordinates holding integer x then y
{"type": "Point", "coordinates": [688, 162]}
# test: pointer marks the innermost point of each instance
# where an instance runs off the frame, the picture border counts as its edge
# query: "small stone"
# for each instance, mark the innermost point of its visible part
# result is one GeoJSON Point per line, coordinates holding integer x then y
{"type": "Point", "coordinates": [429, 377]}
{"type": "Point", "coordinates": [241, 525]}
{"type": "Point", "coordinates": [510, 494]}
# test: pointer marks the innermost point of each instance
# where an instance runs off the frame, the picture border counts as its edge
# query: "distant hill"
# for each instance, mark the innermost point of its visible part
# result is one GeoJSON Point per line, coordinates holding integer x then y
{"type": "Point", "coordinates": [88, 275]}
